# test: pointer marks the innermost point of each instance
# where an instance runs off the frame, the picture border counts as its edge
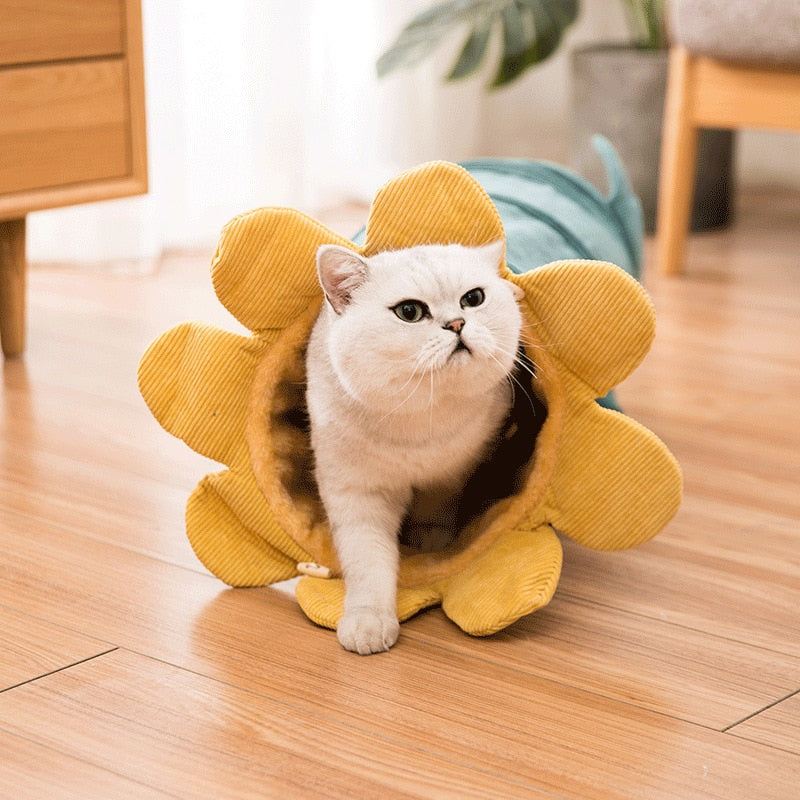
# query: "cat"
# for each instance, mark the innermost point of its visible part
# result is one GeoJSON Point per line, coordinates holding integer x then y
{"type": "Point", "coordinates": [408, 383]}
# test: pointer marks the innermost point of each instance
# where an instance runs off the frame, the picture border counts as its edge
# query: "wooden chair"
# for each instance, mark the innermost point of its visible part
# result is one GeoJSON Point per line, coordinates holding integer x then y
{"type": "Point", "coordinates": [712, 85]}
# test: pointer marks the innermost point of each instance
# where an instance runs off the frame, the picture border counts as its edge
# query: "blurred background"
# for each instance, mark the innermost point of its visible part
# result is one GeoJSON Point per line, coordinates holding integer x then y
{"type": "Point", "coordinates": [271, 102]}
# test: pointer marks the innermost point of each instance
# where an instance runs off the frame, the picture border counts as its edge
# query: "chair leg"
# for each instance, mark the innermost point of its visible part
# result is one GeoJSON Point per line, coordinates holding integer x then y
{"type": "Point", "coordinates": [12, 286]}
{"type": "Point", "coordinates": [677, 168]}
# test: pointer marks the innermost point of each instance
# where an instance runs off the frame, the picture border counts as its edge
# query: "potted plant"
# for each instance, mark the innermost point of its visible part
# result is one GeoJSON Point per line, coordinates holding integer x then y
{"type": "Point", "coordinates": [618, 88]}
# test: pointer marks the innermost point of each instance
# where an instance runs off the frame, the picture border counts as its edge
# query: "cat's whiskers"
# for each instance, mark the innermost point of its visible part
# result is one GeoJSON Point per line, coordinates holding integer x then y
{"type": "Point", "coordinates": [534, 347]}
{"type": "Point", "coordinates": [528, 324]}
{"type": "Point", "coordinates": [531, 343]}
{"type": "Point", "coordinates": [521, 361]}
{"type": "Point", "coordinates": [522, 365]}
{"type": "Point", "coordinates": [514, 381]}
{"type": "Point", "coordinates": [534, 344]}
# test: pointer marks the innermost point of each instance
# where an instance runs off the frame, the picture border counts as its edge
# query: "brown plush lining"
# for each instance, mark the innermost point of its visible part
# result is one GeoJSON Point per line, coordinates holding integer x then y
{"type": "Point", "coordinates": [282, 461]}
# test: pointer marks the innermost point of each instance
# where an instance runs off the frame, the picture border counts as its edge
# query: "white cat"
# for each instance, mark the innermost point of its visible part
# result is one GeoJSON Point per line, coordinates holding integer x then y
{"type": "Point", "coordinates": [408, 383]}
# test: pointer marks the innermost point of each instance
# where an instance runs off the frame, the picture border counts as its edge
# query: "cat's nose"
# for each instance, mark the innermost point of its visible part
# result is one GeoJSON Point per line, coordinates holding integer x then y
{"type": "Point", "coordinates": [455, 325]}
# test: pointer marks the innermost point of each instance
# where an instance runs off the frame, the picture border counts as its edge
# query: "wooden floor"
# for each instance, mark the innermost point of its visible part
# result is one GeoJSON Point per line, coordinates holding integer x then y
{"type": "Point", "coordinates": [671, 671]}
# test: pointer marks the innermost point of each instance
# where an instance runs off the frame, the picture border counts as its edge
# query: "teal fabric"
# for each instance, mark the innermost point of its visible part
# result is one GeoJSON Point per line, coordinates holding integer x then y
{"type": "Point", "coordinates": [550, 213]}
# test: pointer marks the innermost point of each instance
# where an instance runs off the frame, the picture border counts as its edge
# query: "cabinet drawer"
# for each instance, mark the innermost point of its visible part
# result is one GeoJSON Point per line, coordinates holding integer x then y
{"type": "Point", "coordinates": [63, 124]}
{"type": "Point", "coordinates": [51, 30]}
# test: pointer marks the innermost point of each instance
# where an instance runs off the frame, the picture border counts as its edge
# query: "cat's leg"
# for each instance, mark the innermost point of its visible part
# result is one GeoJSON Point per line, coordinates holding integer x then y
{"type": "Point", "coordinates": [365, 526]}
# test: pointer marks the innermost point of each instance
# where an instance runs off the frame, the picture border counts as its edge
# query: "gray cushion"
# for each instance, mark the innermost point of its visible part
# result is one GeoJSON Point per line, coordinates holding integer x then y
{"type": "Point", "coordinates": [739, 30]}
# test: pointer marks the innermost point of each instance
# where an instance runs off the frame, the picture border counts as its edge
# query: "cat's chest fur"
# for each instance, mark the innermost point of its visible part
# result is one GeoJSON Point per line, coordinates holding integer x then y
{"type": "Point", "coordinates": [438, 445]}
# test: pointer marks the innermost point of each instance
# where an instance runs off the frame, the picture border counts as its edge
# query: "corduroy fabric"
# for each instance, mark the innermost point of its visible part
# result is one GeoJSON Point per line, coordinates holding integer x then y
{"type": "Point", "coordinates": [595, 474]}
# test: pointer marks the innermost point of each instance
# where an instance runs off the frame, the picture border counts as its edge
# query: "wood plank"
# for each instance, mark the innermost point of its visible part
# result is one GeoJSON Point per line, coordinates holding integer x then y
{"type": "Point", "coordinates": [94, 454]}
{"type": "Point", "coordinates": [51, 30]}
{"type": "Point", "coordinates": [29, 771]}
{"type": "Point", "coordinates": [532, 731]}
{"type": "Point", "coordinates": [712, 697]}
{"type": "Point", "coordinates": [30, 648]}
{"type": "Point", "coordinates": [137, 112]}
{"type": "Point", "coordinates": [676, 167]}
{"type": "Point", "coordinates": [85, 495]}
{"type": "Point", "coordinates": [98, 449]}
{"type": "Point", "coordinates": [692, 675]}
{"type": "Point", "coordinates": [97, 446]}
{"type": "Point", "coordinates": [186, 735]}
{"type": "Point", "coordinates": [17, 204]}
{"type": "Point", "coordinates": [664, 579]}
{"type": "Point", "coordinates": [777, 726]}
{"type": "Point", "coordinates": [720, 386]}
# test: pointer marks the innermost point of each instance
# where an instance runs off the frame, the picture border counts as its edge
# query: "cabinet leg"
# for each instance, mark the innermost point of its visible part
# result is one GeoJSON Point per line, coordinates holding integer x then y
{"type": "Point", "coordinates": [12, 286]}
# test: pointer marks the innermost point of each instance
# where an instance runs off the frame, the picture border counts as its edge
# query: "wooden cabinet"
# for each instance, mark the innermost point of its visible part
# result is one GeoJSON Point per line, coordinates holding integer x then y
{"type": "Point", "coordinates": [72, 121]}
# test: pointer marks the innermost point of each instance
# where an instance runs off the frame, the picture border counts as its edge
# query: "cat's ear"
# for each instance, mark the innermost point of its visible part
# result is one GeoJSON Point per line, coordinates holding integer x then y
{"type": "Point", "coordinates": [341, 272]}
{"type": "Point", "coordinates": [495, 251]}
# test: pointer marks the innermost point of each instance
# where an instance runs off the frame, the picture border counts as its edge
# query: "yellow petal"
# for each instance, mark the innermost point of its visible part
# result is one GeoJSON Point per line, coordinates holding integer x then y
{"type": "Point", "coordinates": [436, 203]}
{"type": "Point", "coordinates": [239, 491]}
{"type": "Point", "coordinates": [592, 316]}
{"type": "Point", "coordinates": [230, 549]}
{"type": "Point", "coordinates": [264, 271]}
{"type": "Point", "coordinates": [615, 484]}
{"type": "Point", "coordinates": [196, 379]}
{"type": "Point", "coordinates": [516, 577]}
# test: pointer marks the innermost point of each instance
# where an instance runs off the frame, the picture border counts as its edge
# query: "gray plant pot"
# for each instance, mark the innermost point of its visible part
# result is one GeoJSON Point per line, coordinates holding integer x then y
{"type": "Point", "coordinates": [618, 91]}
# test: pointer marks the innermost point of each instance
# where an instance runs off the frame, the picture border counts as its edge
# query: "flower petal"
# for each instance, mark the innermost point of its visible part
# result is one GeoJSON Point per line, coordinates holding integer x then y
{"type": "Point", "coordinates": [516, 577]}
{"type": "Point", "coordinates": [264, 271]}
{"type": "Point", "coordinates": [592, 316]}
{"type": "Point", "coordinates": [322, 600]}
{"type": "Point", "coordinates": [436, 203]}
{"type": "Point", "coordinates": [230, 549]}
{"type": "Point", "coordinates": [615, 484]}
{"type": "Point", "coordinates": [196, 379]}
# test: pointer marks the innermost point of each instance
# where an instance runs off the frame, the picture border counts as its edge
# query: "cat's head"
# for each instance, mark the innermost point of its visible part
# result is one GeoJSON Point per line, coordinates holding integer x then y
{"type": "Point", "coordinates": [419, 325]}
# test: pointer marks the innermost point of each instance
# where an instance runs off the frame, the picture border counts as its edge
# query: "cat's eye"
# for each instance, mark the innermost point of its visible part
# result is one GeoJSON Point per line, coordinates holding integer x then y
{"type": "Point", "coordinates": [411, 310]}
{"type": "Point", "coordinates": [474, 297]}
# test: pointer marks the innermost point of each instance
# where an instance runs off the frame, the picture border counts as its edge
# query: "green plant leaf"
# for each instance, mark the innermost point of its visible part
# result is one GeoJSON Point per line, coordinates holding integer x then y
{"type": "Point", "coordinates": [516, 44]}
{"type": "Point", "coordinates": [646, 23]}
{"type": "Point", "coordinates": [532, 32]}
{"type": "Point", "coordinates": [420, 37]}
{"type": "Point", "coordinates": [551, 18]}
{"type": "Point", "coordinates": [473, 51]}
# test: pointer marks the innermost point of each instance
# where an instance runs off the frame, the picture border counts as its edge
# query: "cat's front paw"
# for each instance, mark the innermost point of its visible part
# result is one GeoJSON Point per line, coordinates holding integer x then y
{"type": "Point", "coordinates": [365, 631]}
